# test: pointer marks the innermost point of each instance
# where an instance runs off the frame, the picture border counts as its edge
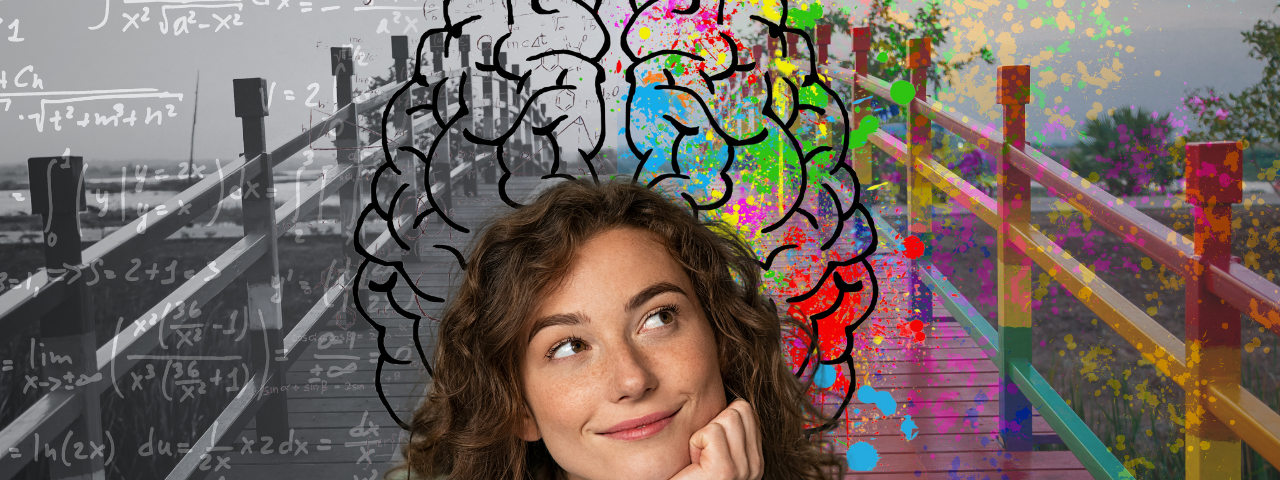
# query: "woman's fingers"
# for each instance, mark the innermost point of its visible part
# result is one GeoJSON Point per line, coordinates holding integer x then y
{"type": "Point", "coordinates": [754, 444]}
{"type": "Point", "coordinates": [731, 419]}
{"type": "Point", "coordinates": [713, 458]}
{"type": "Point", "coordinates": [728, 448]}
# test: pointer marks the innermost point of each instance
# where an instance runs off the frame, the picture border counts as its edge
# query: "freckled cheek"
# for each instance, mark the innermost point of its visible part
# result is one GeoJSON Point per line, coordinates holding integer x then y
{"type": "Point", "coordinates": [565, 403]}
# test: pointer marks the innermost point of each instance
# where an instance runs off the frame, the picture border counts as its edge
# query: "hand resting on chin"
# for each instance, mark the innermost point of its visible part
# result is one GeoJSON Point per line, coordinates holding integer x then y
{"type": "Point", "coordinates": [728, 448]}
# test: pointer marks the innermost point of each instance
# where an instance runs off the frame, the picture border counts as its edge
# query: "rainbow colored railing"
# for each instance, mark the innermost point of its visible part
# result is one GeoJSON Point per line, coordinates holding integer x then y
{"type": "Point", "coordinates": [1221, 413]}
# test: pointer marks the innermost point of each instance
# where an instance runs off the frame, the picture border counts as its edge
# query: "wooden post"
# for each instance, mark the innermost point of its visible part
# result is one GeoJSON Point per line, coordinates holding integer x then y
{"type": "Point", "coordinates": [407, 162]}
{"type": "Point", "coordinates": [823, 39]}
{"type": "Point", "coordinates": [1213, 177]}
{"type": "Point", "coordinates": [349, 206]}
{"type": "Point", "coordinates": [57, 195]}
{"type": "Point", "coordinates": [440, 165]}
{"type": "Point", "coordinates": [861, 52]}
{"type": "Point", "coordinates": [491, 130]}
{"type": "Point", "coordinates": [757, 52]}
{"type": "Point", "coordinates": [792, 49]}
{"type": "Point", "coordinates": [919, 190]}
{"type": "Point", "coordinates": [504, 118]}
{"type": "Point", "coordinates": [467, 150]}
{"type": "Point", "coordinates": [257, 200]}
{"type": "Point", "coordinates": [1013, 204]}
{"type": "Point", "coordinates": [544, 152]}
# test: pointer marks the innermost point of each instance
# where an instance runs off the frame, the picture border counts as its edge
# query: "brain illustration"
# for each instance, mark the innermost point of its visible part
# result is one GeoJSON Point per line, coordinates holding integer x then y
{"type": "Point", "coordinates": [704, 121]}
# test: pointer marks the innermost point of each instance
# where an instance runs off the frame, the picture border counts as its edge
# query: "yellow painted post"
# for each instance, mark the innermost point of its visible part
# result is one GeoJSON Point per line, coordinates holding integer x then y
{"type": "Point", "coordinates": [919, 190]}
{"type": "Point", "coordinates": [1013, 204]}
{"type": "Point", "coordinates": [1212, 325]}
{"type": "Point", "coordinates": [861, 52]}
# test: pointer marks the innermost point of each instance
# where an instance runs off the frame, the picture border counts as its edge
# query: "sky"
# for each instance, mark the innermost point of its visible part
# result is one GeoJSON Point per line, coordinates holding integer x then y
{"type": "Point", "coordinates": [105, 47]}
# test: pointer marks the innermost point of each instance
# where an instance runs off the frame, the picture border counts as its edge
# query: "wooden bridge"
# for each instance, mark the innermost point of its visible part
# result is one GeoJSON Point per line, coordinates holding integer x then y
{"type": "Point", "coordinates": [978, 405]}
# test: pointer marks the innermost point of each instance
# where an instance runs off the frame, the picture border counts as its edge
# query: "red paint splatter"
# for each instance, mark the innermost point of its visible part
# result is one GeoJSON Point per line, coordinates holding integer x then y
{"type": "Point", "coordinates": [619, 68]}
{"type": "Point", "coordinates": [913, 247]}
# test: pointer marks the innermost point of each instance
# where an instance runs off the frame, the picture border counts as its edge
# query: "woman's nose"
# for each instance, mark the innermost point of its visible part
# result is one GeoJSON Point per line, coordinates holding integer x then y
{"type": "Point", "coordinates": [630, 374]}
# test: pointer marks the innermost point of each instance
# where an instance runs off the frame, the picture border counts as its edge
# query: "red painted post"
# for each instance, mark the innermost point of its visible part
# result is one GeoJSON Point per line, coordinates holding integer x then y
{"type": "Point", "coordinates": [792, 40]}
{"type": "Point", "coordinates": [862, 154]}
{"type": "Point", "coordinates": [1013, 204]}
{"type": "Point", "coordinates": [1213, 176]}
{"type": "Point", "coordinates": [822, 37]}
{"type": "Point", "coordinates": [262, 279]}
{"type": "Point", "coordinates": [919, 190]}
{"type": "Point", "coordinates": [57, 195]}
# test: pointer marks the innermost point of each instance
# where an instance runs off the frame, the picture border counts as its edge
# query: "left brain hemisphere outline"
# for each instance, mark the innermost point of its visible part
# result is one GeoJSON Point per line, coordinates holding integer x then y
{"type": "Point", "coordinates": [769, 164]}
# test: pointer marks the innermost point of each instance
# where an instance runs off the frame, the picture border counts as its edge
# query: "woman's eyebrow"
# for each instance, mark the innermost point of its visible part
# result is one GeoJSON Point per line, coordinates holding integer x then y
{"type": "Point", "coordinates": [576, 318]}
{"type": "Point", "coordinates": [653, 291]}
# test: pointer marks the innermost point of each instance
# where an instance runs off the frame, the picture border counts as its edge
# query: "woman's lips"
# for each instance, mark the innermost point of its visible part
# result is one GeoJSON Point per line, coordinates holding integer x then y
{"type": "Point", "coordinates": [642, 431]}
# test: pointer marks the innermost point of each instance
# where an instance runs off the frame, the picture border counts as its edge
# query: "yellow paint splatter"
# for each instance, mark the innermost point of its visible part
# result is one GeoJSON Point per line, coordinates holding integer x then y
{"type": "Point", "coordinates": [644, 33]}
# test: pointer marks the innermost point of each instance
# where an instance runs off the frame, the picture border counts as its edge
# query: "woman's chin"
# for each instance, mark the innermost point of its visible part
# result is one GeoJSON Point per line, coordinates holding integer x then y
{"type": "Point", "coordinates": [653, 467]}
{"type": "Point", "coordinates": [660, 463]}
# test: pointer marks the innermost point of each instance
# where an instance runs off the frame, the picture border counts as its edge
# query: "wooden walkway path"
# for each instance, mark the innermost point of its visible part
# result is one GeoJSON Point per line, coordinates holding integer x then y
{"type": "Point", "coordinates": [946, 384]}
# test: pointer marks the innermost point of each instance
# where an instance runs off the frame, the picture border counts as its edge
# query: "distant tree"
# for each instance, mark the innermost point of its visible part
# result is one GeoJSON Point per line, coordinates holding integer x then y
{"type": "Point", "coordinates": [889, 36]}
{"type": "Point", "coordinates": [1128, 150]}
{"type": "Point", "coordinates": [1254, 113]}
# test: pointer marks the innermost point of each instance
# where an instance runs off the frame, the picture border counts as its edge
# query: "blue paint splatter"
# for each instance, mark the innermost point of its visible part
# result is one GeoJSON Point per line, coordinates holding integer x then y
{"type": "Point", "coordinates": [882, 400]}
{"type": "Point", "coordinates": [862, 457]}
{"type": "Point", "coordinates": [909, 428]}
{"type": "Point", "coordinates": [825, 377]}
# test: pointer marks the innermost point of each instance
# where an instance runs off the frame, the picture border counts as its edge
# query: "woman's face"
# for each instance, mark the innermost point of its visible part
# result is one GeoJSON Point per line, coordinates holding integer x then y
{"type": "Point", "coordinates": [623, 342]}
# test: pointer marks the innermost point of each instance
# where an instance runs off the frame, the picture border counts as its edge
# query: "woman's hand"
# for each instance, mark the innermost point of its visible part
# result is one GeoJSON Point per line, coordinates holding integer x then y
{"type": "Point", "coordinates": [728, 448]}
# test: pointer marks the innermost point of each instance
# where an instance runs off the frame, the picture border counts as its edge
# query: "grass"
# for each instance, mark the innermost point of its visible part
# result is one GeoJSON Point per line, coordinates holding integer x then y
{"type": "Point", "coordinates": [145, 412]}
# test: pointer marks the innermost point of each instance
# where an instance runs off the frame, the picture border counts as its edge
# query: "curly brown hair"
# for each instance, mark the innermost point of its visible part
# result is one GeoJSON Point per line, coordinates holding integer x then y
{"type": "Point", "coordinates": [465, 429]}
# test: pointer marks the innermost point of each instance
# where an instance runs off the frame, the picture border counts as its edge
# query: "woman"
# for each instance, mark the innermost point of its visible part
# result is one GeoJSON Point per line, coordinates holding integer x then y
{"type": "Point", "coordinates": [604, 332]}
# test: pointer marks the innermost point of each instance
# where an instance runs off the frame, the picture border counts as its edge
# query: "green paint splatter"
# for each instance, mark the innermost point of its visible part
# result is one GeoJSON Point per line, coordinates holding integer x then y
{"type": "Point", "coordinates": [806, 17]}
{"type": "Point", "coordinates": [902, 92]}
{"type": "Point", "coordinates": [858, 137]}
{"type": "Point", "coordinates": [882, 57]}
{"type": "Point", "coordinates": [1065, 47]}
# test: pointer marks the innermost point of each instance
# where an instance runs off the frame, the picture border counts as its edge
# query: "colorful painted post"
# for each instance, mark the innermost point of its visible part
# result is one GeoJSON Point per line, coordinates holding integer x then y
{"type": "Point", "coordinates": [1013, 204]}
{"type": "Point", "coordinates": [822, 37]}
{"type": "Point", "coordinates": [919, 190]}
{"type": "Point", "coordinates": [754, 88]}
{"type": "Point", "coordinates": [861, 52]}
{"type": "Point", "coordinates": [262, 279]}
{"type": "Point", "coordinates": [57, 192]}
{"type": "Point", "coordinates": [1213, 326]}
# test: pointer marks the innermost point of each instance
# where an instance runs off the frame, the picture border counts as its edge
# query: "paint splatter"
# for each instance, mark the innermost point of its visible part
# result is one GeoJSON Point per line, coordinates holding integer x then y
{"type": "Point", "coordinates": [862, 457]}
{"type": "Point", "coordinates": [909, 429]}
{"type": "Point", "coordinates": [882, 400]}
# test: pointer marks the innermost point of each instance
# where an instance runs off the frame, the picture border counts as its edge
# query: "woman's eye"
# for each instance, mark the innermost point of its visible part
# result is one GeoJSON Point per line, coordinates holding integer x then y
{"type": "Point", "coordinates": [567, 348]}
{"type": "Point", "coordinates": [660, 318]}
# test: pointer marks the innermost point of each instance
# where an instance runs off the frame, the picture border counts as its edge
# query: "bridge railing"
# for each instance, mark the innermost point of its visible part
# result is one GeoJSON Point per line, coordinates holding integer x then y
{"type": "Point", "coordinates": [60, 300]}
{"type": "Point", "coordinates": [1206, 363]}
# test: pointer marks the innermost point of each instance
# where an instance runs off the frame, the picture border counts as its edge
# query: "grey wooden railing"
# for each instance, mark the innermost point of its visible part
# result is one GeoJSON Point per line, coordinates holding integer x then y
{"type": "Point", "coordinates": [59, 299]}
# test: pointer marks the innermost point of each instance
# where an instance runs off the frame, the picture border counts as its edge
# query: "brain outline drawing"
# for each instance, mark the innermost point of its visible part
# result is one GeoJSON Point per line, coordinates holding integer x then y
{"type": "Point", "coordinates": [834, 257]}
